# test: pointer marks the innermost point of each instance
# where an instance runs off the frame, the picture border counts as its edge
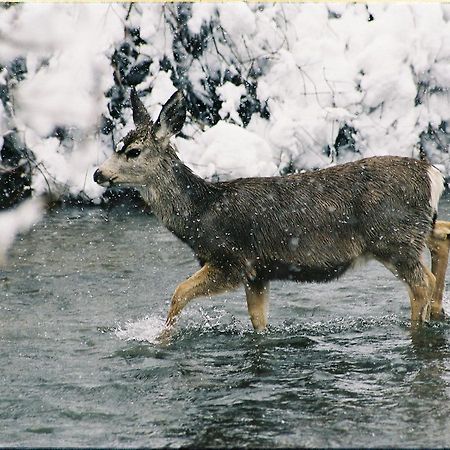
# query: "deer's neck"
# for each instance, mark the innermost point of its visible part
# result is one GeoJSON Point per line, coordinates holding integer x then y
{"type": "Point", "coordinates": [178, 197]}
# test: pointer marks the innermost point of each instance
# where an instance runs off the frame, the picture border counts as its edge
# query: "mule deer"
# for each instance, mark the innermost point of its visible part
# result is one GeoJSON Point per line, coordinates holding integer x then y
{"type": "Point", "coordinates": [303, 227]}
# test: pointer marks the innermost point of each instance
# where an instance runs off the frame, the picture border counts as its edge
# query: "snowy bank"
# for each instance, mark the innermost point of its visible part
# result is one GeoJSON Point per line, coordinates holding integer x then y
{"type": "Point", "coordinates": [271, 88]}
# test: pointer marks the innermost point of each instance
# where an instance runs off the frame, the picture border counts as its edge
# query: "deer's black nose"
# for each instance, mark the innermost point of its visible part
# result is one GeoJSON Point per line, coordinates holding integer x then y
{"type": "Point", "coordinates": [98, 177]}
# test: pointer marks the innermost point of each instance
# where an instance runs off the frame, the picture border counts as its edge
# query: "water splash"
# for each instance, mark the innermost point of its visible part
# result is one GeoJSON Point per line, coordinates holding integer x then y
{"type": "Point", "coordinates": [147, 329]}
{"type": "Point", "coordinates": [196, 322]}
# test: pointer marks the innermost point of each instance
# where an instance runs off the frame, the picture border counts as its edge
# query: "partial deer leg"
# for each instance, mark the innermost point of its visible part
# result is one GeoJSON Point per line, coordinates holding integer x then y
{"type": "Point", "coordinates": [421, 284]}
{"type": "Point", "coordinates": [257, 303]}
{"type": "Point", "coordinates": [439, 245]}
{"type": "Point", "coordinates": [207, 281]}
{"type": "Point", "coordinates": [420, 296]}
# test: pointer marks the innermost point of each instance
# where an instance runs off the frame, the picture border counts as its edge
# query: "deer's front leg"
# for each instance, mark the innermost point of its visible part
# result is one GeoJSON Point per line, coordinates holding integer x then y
{"type": "Point", "coordinates": [207, 281]}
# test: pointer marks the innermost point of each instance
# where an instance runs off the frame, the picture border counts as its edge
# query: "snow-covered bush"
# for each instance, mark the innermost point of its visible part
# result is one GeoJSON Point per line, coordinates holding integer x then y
{"type": "Point", "coordinates": [271, 88]}
{"type": "Point", "coordinates": [18, 220]}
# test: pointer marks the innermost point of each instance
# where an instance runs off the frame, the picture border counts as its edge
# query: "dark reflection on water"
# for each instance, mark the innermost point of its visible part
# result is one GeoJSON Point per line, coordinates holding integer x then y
{"type": "Point", "coordinates": [87, 292]}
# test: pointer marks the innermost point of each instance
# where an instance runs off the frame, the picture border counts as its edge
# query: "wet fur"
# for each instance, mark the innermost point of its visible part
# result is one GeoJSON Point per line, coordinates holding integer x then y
{"type": "Point", "coordinates": [305, 227]}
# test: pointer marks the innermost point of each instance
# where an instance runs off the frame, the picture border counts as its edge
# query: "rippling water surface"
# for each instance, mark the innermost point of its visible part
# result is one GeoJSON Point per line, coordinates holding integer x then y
{"type": "Point", "coordinates": [86, 294]}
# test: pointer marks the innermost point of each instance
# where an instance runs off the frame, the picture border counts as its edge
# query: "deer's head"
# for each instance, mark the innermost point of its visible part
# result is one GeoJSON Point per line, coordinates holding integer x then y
{"type": "Point", "coordinates": [141, 152]}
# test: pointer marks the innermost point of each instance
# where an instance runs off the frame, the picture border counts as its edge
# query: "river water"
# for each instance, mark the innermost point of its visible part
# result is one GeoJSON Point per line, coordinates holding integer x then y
{"type": "Point", "coordinates": [86, 293]}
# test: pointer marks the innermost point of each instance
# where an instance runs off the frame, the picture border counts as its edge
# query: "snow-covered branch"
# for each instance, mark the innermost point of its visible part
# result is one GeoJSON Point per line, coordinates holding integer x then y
{"type": "Point", "coordinates": [279, 87]}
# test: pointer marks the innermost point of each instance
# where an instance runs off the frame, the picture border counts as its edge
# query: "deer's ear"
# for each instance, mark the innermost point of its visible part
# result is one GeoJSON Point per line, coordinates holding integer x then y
{"type": "Point", "coordinates": [140, 115]}
{"type": "Point", "coordinates": [171, 118]}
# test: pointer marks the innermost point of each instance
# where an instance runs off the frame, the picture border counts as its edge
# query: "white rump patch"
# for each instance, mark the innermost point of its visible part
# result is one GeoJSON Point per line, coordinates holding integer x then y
{"type": "Point", "coordinates": [437, 186]}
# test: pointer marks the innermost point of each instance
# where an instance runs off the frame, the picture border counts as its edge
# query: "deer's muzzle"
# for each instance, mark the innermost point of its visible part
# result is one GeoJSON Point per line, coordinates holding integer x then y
{"type": "Point", "coordinates": [100, 178]}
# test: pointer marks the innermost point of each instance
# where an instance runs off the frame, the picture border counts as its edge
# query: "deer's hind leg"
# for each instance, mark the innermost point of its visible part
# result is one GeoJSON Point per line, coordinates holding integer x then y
{"type": "Point", "coordinates": [257, 293]}
{"type": "Point", "coordinates": [420, 293]}
{"type": "Point", "coordinates": [421, 282]}
{"type": "Point", "coordinates": [439, 245]}
{"type": "Point", "coordinates": [207, 281]}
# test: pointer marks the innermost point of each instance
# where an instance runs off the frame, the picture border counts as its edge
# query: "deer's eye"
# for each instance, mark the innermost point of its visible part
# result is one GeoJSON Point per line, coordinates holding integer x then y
{"type": "Point", "coordinates": [133, 153]}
